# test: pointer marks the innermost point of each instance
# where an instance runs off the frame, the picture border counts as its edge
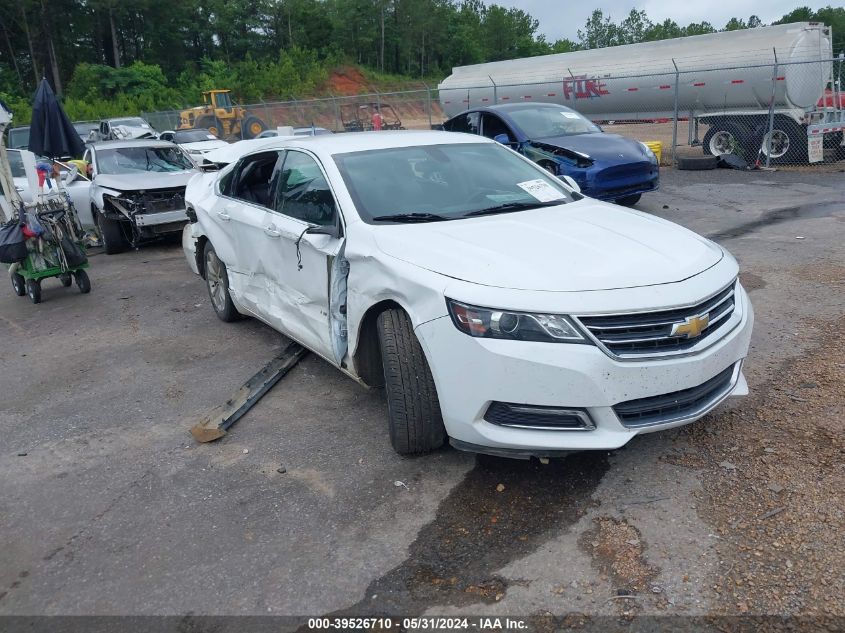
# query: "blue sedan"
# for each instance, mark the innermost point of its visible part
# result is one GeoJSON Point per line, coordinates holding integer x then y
{"type": "Point", "coordinates": [605, 166]}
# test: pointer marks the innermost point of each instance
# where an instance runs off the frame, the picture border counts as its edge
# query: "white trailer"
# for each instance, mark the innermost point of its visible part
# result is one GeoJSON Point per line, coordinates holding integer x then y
{"type": "Point", "coordinates": [731, 81]}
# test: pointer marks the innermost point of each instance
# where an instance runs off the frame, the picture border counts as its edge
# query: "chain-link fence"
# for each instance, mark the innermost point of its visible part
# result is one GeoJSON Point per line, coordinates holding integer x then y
{"type": "Point", "coordinates": [770, 113]}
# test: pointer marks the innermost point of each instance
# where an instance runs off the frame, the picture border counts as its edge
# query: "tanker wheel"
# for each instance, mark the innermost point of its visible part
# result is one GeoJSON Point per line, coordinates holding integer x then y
{"type": "Point", "coordinates": [730, 138]}
{"type": "Point", "coordinates": [212, 124]}
{"type": "Point", "coordinates": [253, 126]}
{"type": "Point", "coordinates": [788, 143]}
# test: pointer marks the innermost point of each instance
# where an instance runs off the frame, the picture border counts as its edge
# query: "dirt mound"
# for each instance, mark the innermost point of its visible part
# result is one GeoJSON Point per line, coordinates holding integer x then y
{"type": "Point", "coordinates": [348, 80]}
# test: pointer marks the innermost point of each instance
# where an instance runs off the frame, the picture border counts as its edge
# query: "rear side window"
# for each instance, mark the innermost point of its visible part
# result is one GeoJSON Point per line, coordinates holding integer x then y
{"type": "Point", "coordinates": [254, 179]}
{"type": "Point", "coordinates": [303, 191]}
{"type": "Point", "coordinates": [494, 126]}
{"type": "Point", "coordinates": [467, 123]}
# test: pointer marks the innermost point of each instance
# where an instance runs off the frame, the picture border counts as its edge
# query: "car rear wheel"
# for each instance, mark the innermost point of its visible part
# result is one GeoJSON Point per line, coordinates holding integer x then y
{"type": "Point", "coordinates": [217, 281]}
{"type": "Point", "coordinates": [629, 201]}
{"type": "Point", "coordinates": [413, 409]}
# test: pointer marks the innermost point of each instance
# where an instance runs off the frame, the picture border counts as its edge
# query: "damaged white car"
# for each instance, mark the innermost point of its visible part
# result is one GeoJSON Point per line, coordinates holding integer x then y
{"type": "Point", "coordinates": [497, 306]}
{"type": "Point", "coordinates": [137, 191]}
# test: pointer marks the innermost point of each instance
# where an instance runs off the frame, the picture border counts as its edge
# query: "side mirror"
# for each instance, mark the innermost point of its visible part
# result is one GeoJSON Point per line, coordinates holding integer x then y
{"type": "Point", "coordinates": [570, 182]}
{"type": "Point", "coordinates": [70, 175]}
{"type": "Point", "coordinates": [332, 231]}
{"type": "Point", "coordinates": [502, 138]}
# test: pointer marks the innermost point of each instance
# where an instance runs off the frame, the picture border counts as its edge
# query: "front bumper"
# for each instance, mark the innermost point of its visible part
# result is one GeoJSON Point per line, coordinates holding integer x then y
{"type": "Point", "coordinates": [189, 246]}
{"type": "Point", "coordinates": [160, 217]}
{"type": "Point", "coordinates": [471, 373]}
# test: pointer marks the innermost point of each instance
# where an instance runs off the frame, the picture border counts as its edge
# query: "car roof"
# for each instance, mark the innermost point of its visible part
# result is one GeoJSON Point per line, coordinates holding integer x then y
{"type": "Point", "coordinates": [362, 141]}
{"type": "Point", "coordinates": [139, 142]}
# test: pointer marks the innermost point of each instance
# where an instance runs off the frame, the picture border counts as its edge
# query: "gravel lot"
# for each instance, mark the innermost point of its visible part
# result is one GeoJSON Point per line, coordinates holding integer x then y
{"type": "Point", "coordinates": [108, 507]}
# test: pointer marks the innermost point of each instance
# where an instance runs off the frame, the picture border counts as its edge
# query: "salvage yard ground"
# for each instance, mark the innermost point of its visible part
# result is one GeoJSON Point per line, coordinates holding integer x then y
{"type": "Point", "coordinates": [107, 506]}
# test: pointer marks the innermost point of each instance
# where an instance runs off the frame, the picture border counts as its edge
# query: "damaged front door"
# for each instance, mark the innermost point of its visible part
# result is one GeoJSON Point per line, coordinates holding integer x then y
{"type": "Point", "coordinates": [302, 254]}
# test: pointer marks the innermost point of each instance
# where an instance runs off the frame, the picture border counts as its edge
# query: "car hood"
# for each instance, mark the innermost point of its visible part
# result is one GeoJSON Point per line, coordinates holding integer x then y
{"type": "Point", "coordinates": [598, 145]}
{"type": "Point", "coordinates": [585, 245]}
{"type": "Point", "coordinates": [144, 180]}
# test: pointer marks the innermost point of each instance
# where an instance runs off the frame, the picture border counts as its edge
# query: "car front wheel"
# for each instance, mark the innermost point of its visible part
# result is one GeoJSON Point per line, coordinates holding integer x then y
{"type": "Point", "coordinates": [413, 410]}
{"type": "Point", "coordinates": [217, 281]}
{"type": "Point", "coordinates": [114, 241]}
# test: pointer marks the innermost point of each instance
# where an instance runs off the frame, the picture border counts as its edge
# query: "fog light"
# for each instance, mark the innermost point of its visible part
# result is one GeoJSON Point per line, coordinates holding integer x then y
{"type": "Point", "coordinates": [537, 417]}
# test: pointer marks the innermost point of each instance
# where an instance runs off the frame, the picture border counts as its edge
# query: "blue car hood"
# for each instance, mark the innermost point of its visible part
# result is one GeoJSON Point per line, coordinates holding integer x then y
{"type": "Point", "coordinates": [599, 146]}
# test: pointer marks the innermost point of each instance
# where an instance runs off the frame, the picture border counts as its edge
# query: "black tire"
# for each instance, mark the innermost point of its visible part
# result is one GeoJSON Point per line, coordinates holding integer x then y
{"type": "Point", "coordinates": [114, 241]}
{"type": "Point", "coordinates": [629, 201]}
{"type": "Point", "coordinates": [696, 163]}
{"type": "Point", "coordinates": [33, 289]}
{"type": "Point", "coordinates": [217, 284]}
{"type": "Point", "coordinates": [82, 281]}
{"type": "Point", "coordinates": [252, 126]}
{"type": "Point", "coordinates": [413, 410]}
{"type": "Point", "coordinates": [18, 284]}
{"type": "Point", "coordinates": [790, 143]}
{"type": "Point", "coordinates": [212, 124]}
{"type": "Point", "coordinates": [66, 279]}
{"type": "Point", "coordinates": [731, 138]}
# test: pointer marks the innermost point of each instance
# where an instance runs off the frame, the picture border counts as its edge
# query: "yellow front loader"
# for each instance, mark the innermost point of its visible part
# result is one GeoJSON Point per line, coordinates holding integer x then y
{"type": "Point", "coordinates": [221, 117]}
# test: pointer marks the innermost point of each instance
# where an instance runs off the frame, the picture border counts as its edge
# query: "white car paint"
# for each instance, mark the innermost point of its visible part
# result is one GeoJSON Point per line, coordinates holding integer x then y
{"type": "Point", "coordinates": [583, 258]}
{"type": "Point", "coordinates": [116, 185]}
{"type": "Point", "coordinates": [79, 189]}
{"type": "Point", "coordinates": [195, 148]}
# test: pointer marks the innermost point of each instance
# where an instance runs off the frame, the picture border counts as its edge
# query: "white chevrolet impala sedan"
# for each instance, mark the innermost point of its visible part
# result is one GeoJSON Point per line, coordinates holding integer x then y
{"type": "Point", "coordinates": [499, 308]}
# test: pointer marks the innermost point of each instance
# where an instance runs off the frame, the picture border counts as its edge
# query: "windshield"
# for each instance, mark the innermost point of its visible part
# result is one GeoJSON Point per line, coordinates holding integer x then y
{"type": "Point", "coordinates": [130, 160]}
{"type": "Point", "coordinates": [559, 121]}
{"type": "Point", "coordinates": [19, 138]}
{"type": "Point", "coordinates": [130, 122]}
{"type": "Point", "coordinates": [449, 181]}
{"type": "Point", "coordinates": [193, 136]}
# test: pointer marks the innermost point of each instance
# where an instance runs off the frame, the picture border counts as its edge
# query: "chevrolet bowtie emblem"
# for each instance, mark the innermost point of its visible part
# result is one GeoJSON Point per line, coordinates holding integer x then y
{"type": "Point", "coordinates": [691, 327]}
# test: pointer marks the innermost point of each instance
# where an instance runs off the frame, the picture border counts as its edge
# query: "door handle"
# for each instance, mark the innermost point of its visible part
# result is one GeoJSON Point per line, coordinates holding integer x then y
{"type": "Point", "coordinates": [271, 231]}
{"type": "Point", "coordinates": [224, 216]}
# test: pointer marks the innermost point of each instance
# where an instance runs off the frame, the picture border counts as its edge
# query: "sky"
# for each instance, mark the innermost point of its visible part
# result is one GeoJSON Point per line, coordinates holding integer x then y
{"type": "Point", "coordinates": [562, 18]}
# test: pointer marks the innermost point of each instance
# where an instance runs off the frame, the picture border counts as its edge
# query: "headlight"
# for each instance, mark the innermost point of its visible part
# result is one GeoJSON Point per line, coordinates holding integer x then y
{"type": "Point", "coordinates": [515, 326]}
{"type": "Point", "coordinates": [652, 157]}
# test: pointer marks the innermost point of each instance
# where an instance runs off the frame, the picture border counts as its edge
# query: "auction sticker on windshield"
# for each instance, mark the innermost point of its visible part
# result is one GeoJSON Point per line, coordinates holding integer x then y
{"type": "Point", "coordinates": [541, 190]}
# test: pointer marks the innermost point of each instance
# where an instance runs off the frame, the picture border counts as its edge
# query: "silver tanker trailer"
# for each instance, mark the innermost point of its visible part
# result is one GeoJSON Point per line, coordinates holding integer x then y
{"type": "Point", "coordinates": [723, 80]}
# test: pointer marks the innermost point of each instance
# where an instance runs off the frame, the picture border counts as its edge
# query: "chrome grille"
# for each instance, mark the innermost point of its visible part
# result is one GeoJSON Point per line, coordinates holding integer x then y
{"type": "Point", "coordinates": [678, 405]}
{"type": "Point", "coordinates": [643, 334]}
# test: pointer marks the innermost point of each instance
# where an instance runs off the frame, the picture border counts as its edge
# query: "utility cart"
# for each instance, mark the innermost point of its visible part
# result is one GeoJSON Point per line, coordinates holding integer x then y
{"type": "Point", "coordinates": [43, 237]}
{"type": "Point", "coordinates": [56, 250]}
